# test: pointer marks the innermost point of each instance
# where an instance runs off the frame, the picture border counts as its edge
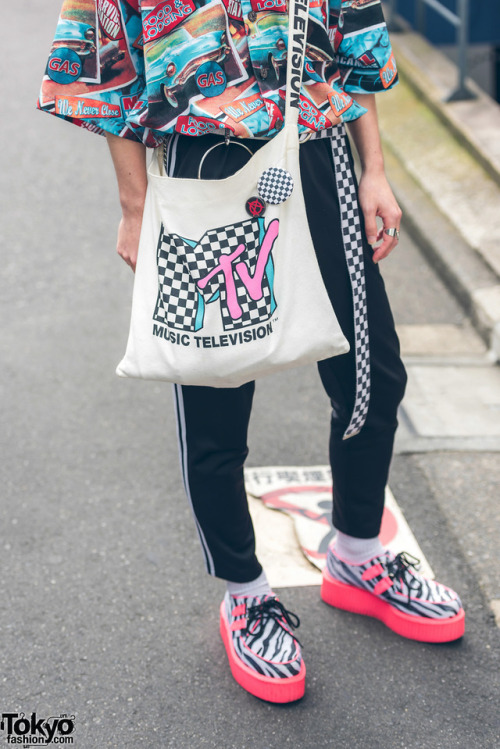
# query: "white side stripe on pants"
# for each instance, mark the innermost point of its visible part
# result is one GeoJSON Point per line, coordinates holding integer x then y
{"type": "Point", "coordinates": [181, 436]}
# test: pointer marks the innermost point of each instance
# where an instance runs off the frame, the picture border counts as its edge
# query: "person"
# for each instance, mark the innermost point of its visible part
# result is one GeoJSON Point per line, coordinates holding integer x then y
{"type": "Point", "coordinates": [189, 74]}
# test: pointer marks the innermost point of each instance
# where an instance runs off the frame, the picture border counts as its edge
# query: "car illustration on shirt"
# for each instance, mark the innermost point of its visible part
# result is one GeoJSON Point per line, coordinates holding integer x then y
{"type": "Point", "coordinates": [80, 37]}
{"type": "Point", "coordinates": [109, 54]}
{"type": "Point", "coordinates": [201, 38]}
{"type": "Point", "coordinates": [188, 56]}
{"type": "Point", "coordinates": [318, 47]}
{"type": "Point", "coordinates": [363, 80]}
{"type": "Point", "coordinates": [267, 40]}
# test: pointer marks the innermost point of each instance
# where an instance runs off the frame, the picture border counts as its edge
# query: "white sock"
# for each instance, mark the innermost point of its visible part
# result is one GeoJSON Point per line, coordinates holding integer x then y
{"type": "Point", "coordinates": [356, 550]}
{"type": "Point", "coordinates": [257, 587]}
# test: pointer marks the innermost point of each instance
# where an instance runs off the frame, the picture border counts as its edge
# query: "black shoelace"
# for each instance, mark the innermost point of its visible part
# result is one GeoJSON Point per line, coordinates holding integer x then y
{"type": "Point", "coordinates": [271, 608]}
{"type": "Point", "coordinates": [400, 569]}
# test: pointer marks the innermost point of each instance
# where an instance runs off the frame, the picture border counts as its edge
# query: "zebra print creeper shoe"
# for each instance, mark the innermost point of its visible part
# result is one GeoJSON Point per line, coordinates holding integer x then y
{"type": "Point", "coordinates": [388, 588]}
{"type": "Point", "coordinates": [264, 655]}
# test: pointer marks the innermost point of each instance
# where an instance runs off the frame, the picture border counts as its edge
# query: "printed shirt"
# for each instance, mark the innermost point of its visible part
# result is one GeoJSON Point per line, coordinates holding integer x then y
{"type": "Point", "coordinates": [141, 69]}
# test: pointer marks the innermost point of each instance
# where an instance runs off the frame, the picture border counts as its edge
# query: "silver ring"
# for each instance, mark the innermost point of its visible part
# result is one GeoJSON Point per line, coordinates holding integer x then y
{"type": "Point", "coordinates": [222, 143]}
{"type": "Point", "coordinates": [392, 232]}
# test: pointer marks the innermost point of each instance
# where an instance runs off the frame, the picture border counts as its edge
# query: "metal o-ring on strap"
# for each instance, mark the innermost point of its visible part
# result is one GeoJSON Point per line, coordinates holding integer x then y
{"type": "Point", "coordinates": [222, 143]}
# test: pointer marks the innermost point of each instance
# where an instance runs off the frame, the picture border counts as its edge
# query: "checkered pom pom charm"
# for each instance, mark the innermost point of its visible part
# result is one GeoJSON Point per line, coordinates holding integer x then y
{"type": "Point", "coordinates": [275, 185]}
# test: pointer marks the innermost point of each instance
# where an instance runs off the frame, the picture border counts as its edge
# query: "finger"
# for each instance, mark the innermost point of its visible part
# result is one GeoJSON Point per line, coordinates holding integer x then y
{"type": "Point", "coordinates": [124, 256]}
{"type": "Point", "coordinates": [391, 215]}
{"type": "Point", "coordinates": [380, 234]}
{"type": "Point", "coordinates": [371, 228]}
{"type": "Point", "coordinates": [130, 260]}
{"type": "Point", "coordinates": [391, 219]}
{"type": "Point", "coordinates": [388, 244]}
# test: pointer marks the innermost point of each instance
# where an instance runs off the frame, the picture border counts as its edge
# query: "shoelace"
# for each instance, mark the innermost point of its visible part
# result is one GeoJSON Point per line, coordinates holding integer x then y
{"type": "Point", "coordinates": [400, 569]}
{"type": "Point", "coordinates": [271, 608]}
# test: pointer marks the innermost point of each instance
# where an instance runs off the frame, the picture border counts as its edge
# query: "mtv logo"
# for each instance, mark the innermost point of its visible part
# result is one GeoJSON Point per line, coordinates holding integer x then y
{"type": "Point", "coordinates": [232, 265]}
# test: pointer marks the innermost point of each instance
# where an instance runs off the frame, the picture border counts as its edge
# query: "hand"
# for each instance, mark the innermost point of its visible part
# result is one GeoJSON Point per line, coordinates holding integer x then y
{"type": "Point", "coordinates": [129, 159]}
{"type": "Point", "coordinates": [129, 231]}
{"type": "Point", "coordinates": [376, 199]}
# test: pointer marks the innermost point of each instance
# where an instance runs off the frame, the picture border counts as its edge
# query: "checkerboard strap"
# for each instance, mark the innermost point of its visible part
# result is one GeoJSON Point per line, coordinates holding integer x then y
{"type": "Point", "coordinates": [353, 247]}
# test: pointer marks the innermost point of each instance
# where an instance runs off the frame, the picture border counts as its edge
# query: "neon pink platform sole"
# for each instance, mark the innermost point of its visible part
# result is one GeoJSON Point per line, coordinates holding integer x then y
{"type": "Point", "coordinates": [358, 601]}
{"type": "Point", "coordinates": [265, 687]}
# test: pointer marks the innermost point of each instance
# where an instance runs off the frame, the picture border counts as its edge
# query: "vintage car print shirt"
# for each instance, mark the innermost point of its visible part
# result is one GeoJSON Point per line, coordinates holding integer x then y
{"type": "Point", "coordinates": [141, 69]}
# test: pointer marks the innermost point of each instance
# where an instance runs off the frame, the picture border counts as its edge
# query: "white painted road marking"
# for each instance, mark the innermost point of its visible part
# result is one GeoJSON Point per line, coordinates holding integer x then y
{"type": "Point", "coordinates": [291, 543]}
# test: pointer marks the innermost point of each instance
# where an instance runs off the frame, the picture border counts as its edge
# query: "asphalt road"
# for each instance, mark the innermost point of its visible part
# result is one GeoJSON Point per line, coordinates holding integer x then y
{"type": "Point", "coordinates": [107, 614]}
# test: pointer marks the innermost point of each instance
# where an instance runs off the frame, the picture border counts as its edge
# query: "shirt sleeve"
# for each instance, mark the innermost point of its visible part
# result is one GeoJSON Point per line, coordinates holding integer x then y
{"type": "Point", "coordinates": [362, 47]}
{"type": "Point", "coordinates": [94, 76]}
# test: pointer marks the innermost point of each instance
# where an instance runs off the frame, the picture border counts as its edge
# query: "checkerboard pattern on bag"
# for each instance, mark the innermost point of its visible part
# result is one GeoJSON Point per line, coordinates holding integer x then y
{"type": "Point", "coordinates": [181, 265]}
{"type": "Point", "coordinates": [204, 257]}
{"type": "Point", "coordinates": [178, 299]}
{"type": "Point", "coordinates": [275, 185]}
{"type": "Point", "coordinates": [353, 246]}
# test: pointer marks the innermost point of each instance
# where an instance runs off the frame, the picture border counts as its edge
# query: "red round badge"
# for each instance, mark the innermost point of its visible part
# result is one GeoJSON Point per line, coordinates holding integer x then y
{"type": "Point", "coordinates": [255, 207]}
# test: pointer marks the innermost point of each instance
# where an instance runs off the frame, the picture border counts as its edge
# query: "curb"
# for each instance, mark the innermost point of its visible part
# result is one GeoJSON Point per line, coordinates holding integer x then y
{"type": "Point", "coordinates": [468, 276]}
{"type": "Point", "coordinates": [463, 271]}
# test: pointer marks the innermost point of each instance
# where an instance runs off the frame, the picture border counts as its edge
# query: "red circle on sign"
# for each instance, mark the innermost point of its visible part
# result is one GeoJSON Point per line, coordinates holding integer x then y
{"type": "Point", "coordinates": [389, 527]}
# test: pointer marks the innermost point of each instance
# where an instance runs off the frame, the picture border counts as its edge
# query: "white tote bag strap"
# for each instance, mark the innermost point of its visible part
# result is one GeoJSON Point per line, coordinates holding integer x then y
{"type": "Point", "coordinates": [298, 16]}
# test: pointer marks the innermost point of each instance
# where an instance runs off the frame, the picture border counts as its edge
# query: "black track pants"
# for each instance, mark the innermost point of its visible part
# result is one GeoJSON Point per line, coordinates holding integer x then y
{"type": "Point", "coordinates": [213, 422]}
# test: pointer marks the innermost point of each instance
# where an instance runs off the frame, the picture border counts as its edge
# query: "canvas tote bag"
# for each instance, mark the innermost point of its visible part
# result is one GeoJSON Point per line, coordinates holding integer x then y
{"type": "Point", "coordinates": [222, 296]}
